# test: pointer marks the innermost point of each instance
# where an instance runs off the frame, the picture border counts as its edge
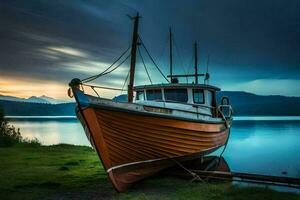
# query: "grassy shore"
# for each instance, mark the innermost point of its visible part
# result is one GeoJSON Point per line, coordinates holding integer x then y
{"type": "Point", "coordinates": [75, 172]}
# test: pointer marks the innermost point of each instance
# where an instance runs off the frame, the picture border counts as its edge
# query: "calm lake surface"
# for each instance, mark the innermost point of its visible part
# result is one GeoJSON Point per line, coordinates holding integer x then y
{"type": "Point", "coordinates": [265, 145]}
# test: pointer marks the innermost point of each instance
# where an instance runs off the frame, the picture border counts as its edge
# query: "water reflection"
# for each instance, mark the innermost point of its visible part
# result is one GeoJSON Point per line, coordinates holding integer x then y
{"type": "Point", "coordinates": [52, 131]}
{"type": "Point", "coordinates": [266, 147]}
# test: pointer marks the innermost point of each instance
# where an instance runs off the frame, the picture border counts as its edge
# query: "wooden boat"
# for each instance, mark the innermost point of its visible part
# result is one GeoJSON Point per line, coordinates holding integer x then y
{"type": "Point", "coordinates": [165, 124]}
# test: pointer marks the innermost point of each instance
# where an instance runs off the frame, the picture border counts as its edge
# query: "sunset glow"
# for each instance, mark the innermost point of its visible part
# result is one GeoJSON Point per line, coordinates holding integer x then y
{"type": "Point", "coordinates": [25, 88]}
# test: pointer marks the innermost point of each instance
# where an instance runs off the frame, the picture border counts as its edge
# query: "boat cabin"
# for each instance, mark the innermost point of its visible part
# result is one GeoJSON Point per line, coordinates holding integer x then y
{"type": "Point", "coordinates": [179, 96]}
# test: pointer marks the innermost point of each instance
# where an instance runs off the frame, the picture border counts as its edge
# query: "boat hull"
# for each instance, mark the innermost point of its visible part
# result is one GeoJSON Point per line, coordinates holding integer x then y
{"type": "Point", "coordinates": [133, 146]}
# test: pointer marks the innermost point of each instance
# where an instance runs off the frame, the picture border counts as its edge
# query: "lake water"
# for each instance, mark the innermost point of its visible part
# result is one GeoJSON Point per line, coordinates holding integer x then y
{"type": "Point", "coordinates": [52, 130]}
{"type": "Point", "coordinates": [264, 145]}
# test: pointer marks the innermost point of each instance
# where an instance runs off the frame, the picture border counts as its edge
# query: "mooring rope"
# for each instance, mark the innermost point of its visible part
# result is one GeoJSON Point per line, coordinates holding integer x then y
{"type": "Point", "coordinates": [220, 156]}
{"type": "Point", "coordinates": [193, 174]}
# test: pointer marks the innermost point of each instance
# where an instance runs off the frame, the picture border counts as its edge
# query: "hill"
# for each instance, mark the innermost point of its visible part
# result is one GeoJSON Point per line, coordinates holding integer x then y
{"type": "Point", "coordinates": [248, 104]}
{"type": "Point", "coordinates": [33, 99]}
{"type": "Point", "coordinates": [16, 108]}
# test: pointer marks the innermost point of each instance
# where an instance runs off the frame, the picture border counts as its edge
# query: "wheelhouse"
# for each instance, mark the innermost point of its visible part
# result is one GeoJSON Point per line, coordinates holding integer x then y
{"type": "Point", "coordinates": [182, 96]}
{"type": "Point", "coordinates": [177, 93]}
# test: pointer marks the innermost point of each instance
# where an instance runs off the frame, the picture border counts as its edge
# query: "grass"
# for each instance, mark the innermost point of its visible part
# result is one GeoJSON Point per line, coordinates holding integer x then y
{"type": "Point", "coordinates": [75, 172]}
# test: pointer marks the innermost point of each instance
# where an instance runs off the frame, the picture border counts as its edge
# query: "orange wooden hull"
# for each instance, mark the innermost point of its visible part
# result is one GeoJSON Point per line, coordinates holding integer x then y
{"type": "Point", "coordinates": [133, 146]}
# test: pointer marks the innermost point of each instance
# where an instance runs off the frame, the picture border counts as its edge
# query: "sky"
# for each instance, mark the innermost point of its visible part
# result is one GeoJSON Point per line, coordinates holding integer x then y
{"type": "Point", "coordinates": [253, 46]}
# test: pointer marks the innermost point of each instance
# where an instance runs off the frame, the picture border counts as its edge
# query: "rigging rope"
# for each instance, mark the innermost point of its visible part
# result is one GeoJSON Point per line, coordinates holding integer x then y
{"type": "Point", "coordinates": [91, 78]}
{"type": "Point", "coordinates": [116, 66]}
{"type": "Point", "coordinates": [125, 81]}
{"type": "Point", "coordinates": [144, 65]}
{"type": "Point", "coordinates": [160, 59]}
{"type": "Point", "coordinates": [102, 87]}
{"type": "Point", "coordinates": [180, 59]}
{"type": "Point", "coordinates": [153, 60]}
{"type": "Point", "coordinates": [93, 87]}
{"type": "Point", "coordinates": [109, 70]}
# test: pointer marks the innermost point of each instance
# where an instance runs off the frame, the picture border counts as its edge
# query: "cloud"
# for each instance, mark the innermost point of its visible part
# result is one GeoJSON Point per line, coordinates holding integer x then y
{"type": "Point", "coordinates": [59, 40]}
{"type": "Point", "coordinates": [67, 51]}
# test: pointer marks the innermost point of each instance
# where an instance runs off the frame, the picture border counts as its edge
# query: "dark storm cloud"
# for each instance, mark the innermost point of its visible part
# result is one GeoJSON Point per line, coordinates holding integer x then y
{"type": "Point", "coordinates": [31, 29]}
{"type": "Point", "coordinates": [247, 40]}
{"type": "Point", "coordinates": [256, 36]}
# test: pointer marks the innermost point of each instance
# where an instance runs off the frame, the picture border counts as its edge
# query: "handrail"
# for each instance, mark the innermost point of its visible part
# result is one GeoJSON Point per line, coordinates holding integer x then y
{"type": "Point", "coordinates": [226, 106]}
{"type": "Point", "coordinates": [228, 118]}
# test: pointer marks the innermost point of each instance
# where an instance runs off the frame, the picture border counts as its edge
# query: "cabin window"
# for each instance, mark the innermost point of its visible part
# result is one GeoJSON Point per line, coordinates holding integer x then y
{"type": "Point", "coordinates": [178, 95]}
{"type": "Point", "coordinates": [154, 95]}
{"type": "Point", "coordinates": [198, 96]}
{"type": "Point", "coordinates": [140, 95]}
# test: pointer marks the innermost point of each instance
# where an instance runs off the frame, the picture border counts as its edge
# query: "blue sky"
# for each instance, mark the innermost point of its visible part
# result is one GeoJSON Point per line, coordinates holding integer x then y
{"type": "Point", "coordinates": [254, 45]}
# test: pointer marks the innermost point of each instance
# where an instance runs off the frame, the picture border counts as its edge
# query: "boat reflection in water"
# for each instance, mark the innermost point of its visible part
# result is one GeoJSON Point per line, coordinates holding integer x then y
{"type": "Point", "coordinates": [198, 169]}
{"type": "Point", "coordinates": [164, 125]}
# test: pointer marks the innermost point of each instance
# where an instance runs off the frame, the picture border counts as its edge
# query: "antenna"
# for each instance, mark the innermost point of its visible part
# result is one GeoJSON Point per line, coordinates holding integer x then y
{"type": "Point", "coordinates": [196, 62]}
{"type": "Point", "coordinates": [206, 79]}
{"type": "Point", "coordinates": [171, 56]}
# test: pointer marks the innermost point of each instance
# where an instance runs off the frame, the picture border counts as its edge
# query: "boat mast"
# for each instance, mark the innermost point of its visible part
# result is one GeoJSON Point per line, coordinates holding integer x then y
{"type": "Point", "coordinates": [133, 57]}
{"type": "Point", "coordinates": [171, 57]}
{"type": "Point", "coordinates": [196, 62]}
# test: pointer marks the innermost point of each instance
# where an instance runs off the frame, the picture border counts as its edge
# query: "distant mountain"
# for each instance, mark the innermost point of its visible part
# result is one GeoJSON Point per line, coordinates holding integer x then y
{"type": "Point", "coordinates": [52, 100]}
{"type": "Point", "coordinates": [18, 108]}
{"type": "Point", "coordinates": [33, 99]}
{"type": "Point", "coordinates": [243, 103]}
{"type": "Point", "coordinates": [121, 98]}
{"type": "Point", "coordinates": [11, 98]}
